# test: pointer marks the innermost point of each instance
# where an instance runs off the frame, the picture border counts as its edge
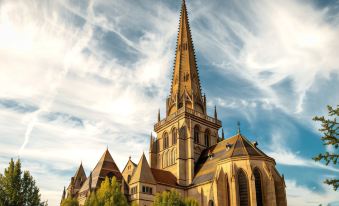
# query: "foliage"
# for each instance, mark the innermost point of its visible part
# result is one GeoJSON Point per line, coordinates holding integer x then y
{"type": "Point", "coordinates": [70, 202]}
{"type": "Point", "coordinates": [108, 194]}
{"type": "Point", "coordinates": [172, 197]}
{"type": "Point", "coordinates": [330, 130]}
{"type": "Point", "coordinates": [191, 202]}
{"type": "Point", "coordinates": [17, 188]}
{"type": "Point", "coordinates": [134, 204]}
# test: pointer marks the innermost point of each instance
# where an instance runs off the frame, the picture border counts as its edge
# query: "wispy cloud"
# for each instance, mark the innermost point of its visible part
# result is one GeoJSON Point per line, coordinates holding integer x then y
{"type": "Point", "coordinates": [76, 76]}
{"type": "Point", "coordinates": [303, 196]}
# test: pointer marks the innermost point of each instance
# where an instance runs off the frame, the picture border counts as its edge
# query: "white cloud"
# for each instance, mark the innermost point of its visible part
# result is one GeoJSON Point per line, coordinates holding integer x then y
{"type": "Point", "coordinates": [58, 66]}
{"type": "Point", "coordinates": [54, 57]}
{"type": "Point", "coordinates": [303, 196]}
{"type": "Point", "coordinates": [284, 48]}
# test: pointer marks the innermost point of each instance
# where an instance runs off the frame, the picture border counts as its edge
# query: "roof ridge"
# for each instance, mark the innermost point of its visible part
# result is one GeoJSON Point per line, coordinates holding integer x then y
{"type": "Point", "coordinates": [143, 172]}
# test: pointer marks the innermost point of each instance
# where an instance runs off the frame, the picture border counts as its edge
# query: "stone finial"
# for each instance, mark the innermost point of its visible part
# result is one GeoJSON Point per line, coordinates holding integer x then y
{"type": "Point", "coordinates": [215, 113]}
{"type": "Point", "coordinates": [159, 115]}
{"type": "Point", "coordinates": [222, 134]}
{"type": "Point", "coordinates": [238, 124]}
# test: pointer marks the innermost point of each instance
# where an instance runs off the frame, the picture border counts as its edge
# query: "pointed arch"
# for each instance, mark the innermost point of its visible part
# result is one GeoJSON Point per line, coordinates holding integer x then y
{"type": "Point", "coordinates": [207, 138]}
{"type": "Point", "coordinates": [182, 132]}
{"type": "Point", "coordinates": [169, 158]}
{"type": "Point", "coordinates": [243, 189]}
{"type": "Point", "coordinates": [228, 194]}
{"type": "Point", "coordinates": [164, 160]}
{"type": "Point", "coordinates": [174, 155]}
{"type": "Point", "coordinates": [196, 133]}
{"type": "Point", "coordinates": [174, 135]}
{"type": "Point", "coordinates": [165, 140]}
{"type": "Point", "coordinates": [258, 186]}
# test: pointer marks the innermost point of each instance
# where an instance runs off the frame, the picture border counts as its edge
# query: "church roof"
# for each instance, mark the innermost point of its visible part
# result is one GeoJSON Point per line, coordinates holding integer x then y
{"type": "Point", "coordinates": [164, 177]}
{"type": "Point", "coordinates": [185, 80]}
{"type": "Point", "coordinates": [105, 167]}
{"type": "Point", "coordinates": [78, 178]}
{"type": "Point", "coordinates": [80, 173]}
{"type": "Point", "coordinates": [233, 147]}
{"type": "Point", "coordinates": [129, 162]}
{"type": "Point", "coordinates": [143, 172]}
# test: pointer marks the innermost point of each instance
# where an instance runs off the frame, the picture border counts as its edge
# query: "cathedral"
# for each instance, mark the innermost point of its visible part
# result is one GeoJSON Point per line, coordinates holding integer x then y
{"type": "Point", "coordinates": [187, 153]}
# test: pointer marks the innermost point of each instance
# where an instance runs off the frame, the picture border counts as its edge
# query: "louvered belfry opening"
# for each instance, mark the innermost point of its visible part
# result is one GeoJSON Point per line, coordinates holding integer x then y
{"type": "Point", "coordinates": [258, 189]}
{"type": "Point", "coordinates": [243, 188]}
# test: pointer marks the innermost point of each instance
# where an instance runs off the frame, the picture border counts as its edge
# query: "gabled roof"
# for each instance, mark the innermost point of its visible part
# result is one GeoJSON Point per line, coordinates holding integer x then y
{"type": "Point", "coordinates": [129, 162]}
{"type": "Point", "coordinates": [164, 177]}
{"type": "Point", "coordinates": [80, 173]}
{"type": "Point", "coordinates": [143, 172]}
{"type": "Point", "coordinates": [78, 178]}
{"type": "Point", "coordinates": [105, 167]}
{"type": "Point", "coordinates": [233, 147]}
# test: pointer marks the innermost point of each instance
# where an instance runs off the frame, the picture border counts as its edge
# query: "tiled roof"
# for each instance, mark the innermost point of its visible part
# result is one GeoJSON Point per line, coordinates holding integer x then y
{"type": "Point", "coordinates": [105, 167]}
{"type": "Point", "coordinates": [164, 177]}
{"type": "Point", "coordinates": [143, 172]}
{"type": "Point", "coordinates": [236, 146]}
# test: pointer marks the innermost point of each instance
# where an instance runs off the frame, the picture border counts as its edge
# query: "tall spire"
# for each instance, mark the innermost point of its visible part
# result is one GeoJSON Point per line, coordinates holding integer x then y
{"type": "Point", "coordinates": [185, 88]}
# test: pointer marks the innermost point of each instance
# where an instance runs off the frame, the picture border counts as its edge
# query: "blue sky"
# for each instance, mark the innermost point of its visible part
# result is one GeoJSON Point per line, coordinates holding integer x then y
{"type": "Point", "coordinates": [77, 76]}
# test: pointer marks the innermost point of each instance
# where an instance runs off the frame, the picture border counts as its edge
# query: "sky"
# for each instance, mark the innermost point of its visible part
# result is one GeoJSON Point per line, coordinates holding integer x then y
{"type": "Point", "coordinates": [78, 76]}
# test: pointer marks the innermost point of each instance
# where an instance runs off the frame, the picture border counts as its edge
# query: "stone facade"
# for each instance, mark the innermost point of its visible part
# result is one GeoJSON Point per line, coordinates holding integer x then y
{"type": "Point", "coordinates": [188, 155]}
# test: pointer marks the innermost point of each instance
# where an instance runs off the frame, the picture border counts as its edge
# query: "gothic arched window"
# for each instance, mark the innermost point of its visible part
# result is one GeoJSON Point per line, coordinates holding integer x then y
{"type": "Point", "coordinates": [174, 155]}
{"type": "Point", "coordinates": [169, 158]}
{"type": "Point", "coordinates": [210, 203]}
{"type": "Point", "coordinates": [243, 188]}
{"type": "Point", "coordinates": [196, 134]}
{"type": "Point", "coordinates": [182, 133]}
{"type": "Point", "coordinates": [174, 136]}
{"type": "Point", "coordinates": [207, 138]}
{"type": "Point", "coordinates": [258, 189]}
{"type": "Point", "coordinates": [165, 140]}
{"type": "Point", "coordinates": [164, 160]}
{"type": "Point", "coordinates": [228, 195]}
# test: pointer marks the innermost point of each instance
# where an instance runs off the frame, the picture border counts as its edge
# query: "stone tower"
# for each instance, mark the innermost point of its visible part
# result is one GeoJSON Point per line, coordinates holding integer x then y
{"type": "Point", "coordinates": [187, 129]}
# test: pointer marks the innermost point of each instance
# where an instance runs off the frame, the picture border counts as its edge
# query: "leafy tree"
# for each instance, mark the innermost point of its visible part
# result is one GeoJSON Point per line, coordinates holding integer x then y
{"type": "Point", "coordinates": [70, 202]}
{"type": "Point", "coordinates": [108, 194]}
{"type": "Point", "coordinates": [330, 130]}
{"type": "Point", "coordinates": [17, 189]}
{"type": "Point", "coordinates": [191, 202]}
{"type": "Point", "coordinates": [172, 197]}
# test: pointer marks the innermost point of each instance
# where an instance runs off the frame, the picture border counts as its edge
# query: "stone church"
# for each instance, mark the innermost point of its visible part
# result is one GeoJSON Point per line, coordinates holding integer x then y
{"type": "Point", "coordinates": [187, 154]}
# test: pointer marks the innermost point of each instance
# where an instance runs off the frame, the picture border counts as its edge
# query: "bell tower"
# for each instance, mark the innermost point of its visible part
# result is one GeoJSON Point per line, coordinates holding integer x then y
{"type": "Point", "coordinates": [187, 129]}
